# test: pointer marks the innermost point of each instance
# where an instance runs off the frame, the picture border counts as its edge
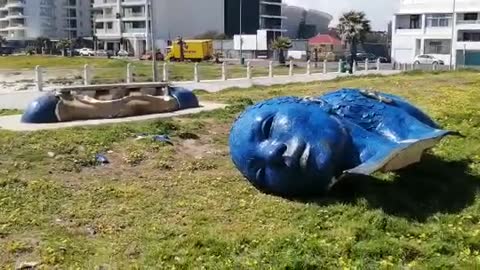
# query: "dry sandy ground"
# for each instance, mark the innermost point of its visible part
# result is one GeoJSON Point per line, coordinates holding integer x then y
{"type": "Point", "coordinates": [23, 80]}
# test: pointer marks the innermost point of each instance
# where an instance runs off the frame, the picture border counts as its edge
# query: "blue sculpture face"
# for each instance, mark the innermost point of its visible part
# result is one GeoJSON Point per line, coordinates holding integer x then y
{"type": "Point", "coordinates": [288, 144]}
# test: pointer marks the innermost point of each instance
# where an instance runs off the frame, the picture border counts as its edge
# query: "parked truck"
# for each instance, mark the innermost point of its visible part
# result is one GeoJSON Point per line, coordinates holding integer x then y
{"type": "Point", "coordinates": [193, 50]}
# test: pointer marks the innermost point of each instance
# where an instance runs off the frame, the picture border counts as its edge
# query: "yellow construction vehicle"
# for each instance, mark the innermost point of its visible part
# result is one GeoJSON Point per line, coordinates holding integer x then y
{"type": "Point", "coordinates": [193, 50]}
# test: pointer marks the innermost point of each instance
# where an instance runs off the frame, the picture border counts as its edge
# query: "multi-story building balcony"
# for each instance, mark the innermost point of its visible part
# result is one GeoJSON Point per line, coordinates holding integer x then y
{"type": "Point", "coordinates": [107, 32]}
{"type": "Point", "coordinates": [15, 3]}
{"type": "Point", "coordinates": [15, 15]}
{"type": "Point", "coordinates": [272, 16]}
{"type": "Point", "coordinates": [272, 2]}
{"type": "Point", "coordinates": [15, 26]}
{"type": "Point", "coordinates": [466, 21]}
{"type": "Point", "coordinates": [134, 2]}
{"type": "Point", "coordinates": [134, 13]}
{"type": "Point", "coordinates": [15, 33]}
{"type": "Point", "coordinates": [101, 17]}
{"type": "Point", "coordinates": [104, 3]}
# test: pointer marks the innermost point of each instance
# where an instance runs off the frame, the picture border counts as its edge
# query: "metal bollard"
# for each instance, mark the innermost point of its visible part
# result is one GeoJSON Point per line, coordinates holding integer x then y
{"type": "Point", "coordinates": [366, 64]}
{"type": "Point", "coordinates": [378, 64]}
{"type": "Point", "coordinates": [86, 74]}
{"type": "Point", "coordinates": [309, 69]}
{"type": "Point", "coordinates": [224, 71]}
{"type": "Point", "coordinates": [270, 69]}
{"type": "Point", "coordinates": [325, 63]}
{"type": "Point", "coordinates": [39, 78]}
{"type": "Point", "coordinates": [196, 76]}
{"type": "Point", "coordinates": [290, 70]}
{"type": "Point", "coordinates": [165, 72]}
{"type": "Point", "coordinates": [434, 66]}
{"type": "Point", "coordinates": [354, 68]}
{"type": "Point", "coordinates": [340, 63]}
{"type": "Point", "coordinates": [249, 70]}
{"type": "Point", "coordinates": [129, 73]}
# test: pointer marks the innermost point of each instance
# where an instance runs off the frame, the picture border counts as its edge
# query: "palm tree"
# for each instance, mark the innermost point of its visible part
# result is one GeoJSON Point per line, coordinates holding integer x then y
{"type": "Point", "coordinates": [281, 44]}
{"type": "Point", "coordinates": [63, 45]}
{"type": "Point", "coordinates": [42, 44]}
{"type": "Point", "coordinates": [353, 28]}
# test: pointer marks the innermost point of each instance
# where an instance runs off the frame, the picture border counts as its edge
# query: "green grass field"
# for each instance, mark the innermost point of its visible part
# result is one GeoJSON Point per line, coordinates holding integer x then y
{"type": "Point", "coordinates": [186, 207]}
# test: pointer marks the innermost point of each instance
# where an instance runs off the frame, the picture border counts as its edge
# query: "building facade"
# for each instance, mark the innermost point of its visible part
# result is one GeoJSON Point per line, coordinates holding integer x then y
{"type": "Point", "coordinates": [441, 28]}
{"type": "Point", "coordinates": [125, 24]}
{"type": "Point", "coordinates": [23, 20]}
{"type": "Point", "coordinates": [256, 15]}
{"type": "Point", "coordinates": [314, 22]}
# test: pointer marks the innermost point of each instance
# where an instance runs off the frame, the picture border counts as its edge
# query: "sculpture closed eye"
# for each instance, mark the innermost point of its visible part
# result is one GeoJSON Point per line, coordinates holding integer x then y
{"type": "Point", "coordinates": [304, 145]}
{"type": "Point", "coordinates": [267, 126]}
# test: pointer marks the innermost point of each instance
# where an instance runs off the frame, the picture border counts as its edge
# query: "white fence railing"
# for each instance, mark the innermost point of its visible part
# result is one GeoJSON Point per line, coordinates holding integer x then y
{"type": "Point", "coordinates": [133, 72]}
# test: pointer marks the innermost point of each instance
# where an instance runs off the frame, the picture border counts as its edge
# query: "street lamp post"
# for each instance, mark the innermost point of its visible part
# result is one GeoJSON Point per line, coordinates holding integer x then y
{"type": "Point", "coordinates": [152, 40]}
{"type": "Point", "coordinates": [453, 43]}
{"type": "Point", "coordinates": [242, 61]}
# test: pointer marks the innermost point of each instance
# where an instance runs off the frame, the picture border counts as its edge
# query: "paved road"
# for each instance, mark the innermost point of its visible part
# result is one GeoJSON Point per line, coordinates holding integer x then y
{"type": "Point", "coordinates": [21, 99]}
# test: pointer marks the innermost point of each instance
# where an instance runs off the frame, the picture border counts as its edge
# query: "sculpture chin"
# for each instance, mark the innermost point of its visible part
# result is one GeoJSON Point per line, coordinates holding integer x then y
{"type": "Point", "coordinates": [70, 107]}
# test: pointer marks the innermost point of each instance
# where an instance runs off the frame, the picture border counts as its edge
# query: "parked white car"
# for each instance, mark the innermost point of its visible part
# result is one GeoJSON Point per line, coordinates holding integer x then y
{"type": "Point", "coordinates": [428, 59]}
{"type": "Point", "coordinates": [86, 52]}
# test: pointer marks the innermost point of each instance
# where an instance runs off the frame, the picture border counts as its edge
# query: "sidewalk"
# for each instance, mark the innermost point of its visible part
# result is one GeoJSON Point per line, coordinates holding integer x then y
{"type": "Point", "coordinates": [21, 99]}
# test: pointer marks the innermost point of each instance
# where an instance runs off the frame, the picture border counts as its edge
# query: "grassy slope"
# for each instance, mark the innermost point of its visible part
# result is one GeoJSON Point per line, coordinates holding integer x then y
{"type": "Point", "coordinates": [185, 205]}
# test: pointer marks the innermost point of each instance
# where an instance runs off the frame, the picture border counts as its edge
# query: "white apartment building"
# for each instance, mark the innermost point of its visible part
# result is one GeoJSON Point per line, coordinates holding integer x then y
{"type": "Point", "coordinates": [124, 24]}
{"type": "Point", "coordinates": [437, 27]}
{"type": "Point", "coordinates": [23, 20]}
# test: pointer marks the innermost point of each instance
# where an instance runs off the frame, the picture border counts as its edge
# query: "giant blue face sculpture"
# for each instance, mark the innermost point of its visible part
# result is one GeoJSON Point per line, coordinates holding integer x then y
{"type": "Point", "coordinates": [292, 146]}
{"type": "Point", "coordinates": [59, 108]}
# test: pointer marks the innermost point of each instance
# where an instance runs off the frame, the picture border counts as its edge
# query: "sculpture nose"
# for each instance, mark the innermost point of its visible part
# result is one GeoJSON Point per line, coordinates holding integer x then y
{"type": "Point", "coordinates": [274, 153]}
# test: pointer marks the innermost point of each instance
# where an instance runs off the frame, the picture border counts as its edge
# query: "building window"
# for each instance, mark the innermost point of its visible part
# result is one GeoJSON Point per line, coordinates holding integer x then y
{"type": "Point", "coordinates": [437, 46]}
{"type": "Point", "coordinates": [415, 22]}
{"type": "Point", "coordinates": [469, 36]}
{"type": "Point", "coordinates": [109, 25]}
{"type": "Point", "coordinates": [438, 20]}
{"type": "Point", "coordinates": [470, 16]}
{"type": "Point", "coordinates": [71, 13]}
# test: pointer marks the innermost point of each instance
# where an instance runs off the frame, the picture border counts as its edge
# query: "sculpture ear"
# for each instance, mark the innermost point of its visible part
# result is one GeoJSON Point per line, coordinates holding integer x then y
{"type": "Point", "coordinates": [399, 155]}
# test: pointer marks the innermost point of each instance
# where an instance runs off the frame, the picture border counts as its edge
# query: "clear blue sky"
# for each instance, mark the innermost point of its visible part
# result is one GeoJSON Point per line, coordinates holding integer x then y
{"type": "Point", "coordinates": [380, 12]}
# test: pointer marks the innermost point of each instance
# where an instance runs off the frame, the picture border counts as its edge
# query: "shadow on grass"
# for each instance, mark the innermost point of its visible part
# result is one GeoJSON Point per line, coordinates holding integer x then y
{"type": "Point", "coordinates": [417, 192]}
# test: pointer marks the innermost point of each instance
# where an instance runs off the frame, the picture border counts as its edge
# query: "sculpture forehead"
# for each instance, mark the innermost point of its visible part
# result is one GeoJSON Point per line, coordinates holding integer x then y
{"type": "Point", "coordinates": [279, 104]}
